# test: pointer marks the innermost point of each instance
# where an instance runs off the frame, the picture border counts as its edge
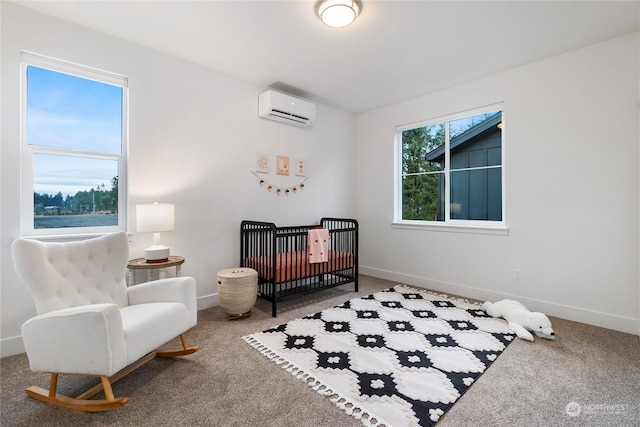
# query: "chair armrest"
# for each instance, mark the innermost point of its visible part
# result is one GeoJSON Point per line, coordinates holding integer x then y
{"type": "Point", "coordinates": [87, 339]}
{"type": "Point", "coordinates": [174, 289]}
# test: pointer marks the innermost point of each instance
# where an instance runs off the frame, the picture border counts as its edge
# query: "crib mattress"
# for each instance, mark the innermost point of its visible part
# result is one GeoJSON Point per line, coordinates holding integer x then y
{"type": "Point", "coordinates": [296, 265]}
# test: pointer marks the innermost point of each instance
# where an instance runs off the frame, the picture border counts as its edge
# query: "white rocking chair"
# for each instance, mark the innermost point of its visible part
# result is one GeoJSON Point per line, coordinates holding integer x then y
{"type": "Point", "coordinates": [90, 323]}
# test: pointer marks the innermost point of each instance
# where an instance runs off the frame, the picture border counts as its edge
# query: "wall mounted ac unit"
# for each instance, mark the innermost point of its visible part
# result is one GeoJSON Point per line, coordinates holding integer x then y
{"type": "Point", "coordinates": [284, 108]}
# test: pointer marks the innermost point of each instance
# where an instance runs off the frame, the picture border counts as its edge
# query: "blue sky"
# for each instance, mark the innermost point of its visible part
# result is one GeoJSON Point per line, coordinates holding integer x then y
{"type": "Point", "coordinates": [71, 112]}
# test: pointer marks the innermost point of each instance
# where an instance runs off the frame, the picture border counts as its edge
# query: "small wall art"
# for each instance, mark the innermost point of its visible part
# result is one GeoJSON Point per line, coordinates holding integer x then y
{"type": "Point", "coordinates": [262, 162]}
{"type": "Point", "coordinates": [282, 165]}
{"type": "Point", "coordinates": [299, 165]}
{"type": "Point", "coordinates": [283, 186]}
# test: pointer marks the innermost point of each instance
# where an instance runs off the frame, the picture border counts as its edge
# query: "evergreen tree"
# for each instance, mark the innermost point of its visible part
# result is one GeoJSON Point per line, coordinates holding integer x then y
{"type": "Point", "coordinates": [81, 202]}
{"type": "Point", "coordinates": [421, 181]}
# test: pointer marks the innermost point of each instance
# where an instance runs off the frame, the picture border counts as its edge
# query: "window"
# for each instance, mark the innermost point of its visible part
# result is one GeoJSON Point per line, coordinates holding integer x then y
{"type": "Point", "coordinates": [73, 151]}
{"type": "Point", "coordinates": [450, 171]}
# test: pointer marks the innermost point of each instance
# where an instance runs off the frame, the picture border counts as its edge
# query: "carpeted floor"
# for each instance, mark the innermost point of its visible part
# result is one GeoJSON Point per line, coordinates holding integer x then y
{"type": "Point", "coordinates": [587, 376]}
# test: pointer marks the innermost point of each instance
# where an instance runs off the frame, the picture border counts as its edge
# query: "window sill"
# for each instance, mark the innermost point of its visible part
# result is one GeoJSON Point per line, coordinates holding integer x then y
{"type": "Point", "coordinates": [66, 237]}
{"type": "Point", "coordinates": [499, 230]}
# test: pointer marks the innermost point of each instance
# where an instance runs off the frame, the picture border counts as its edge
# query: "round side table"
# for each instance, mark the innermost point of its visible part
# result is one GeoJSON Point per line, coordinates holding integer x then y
{"type": "Point", "coordinates": [155, 270]}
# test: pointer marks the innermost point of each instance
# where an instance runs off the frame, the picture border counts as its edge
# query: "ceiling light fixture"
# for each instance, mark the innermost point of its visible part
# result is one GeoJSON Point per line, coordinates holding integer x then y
{"type": "Point", "coordinates": [338, 13]}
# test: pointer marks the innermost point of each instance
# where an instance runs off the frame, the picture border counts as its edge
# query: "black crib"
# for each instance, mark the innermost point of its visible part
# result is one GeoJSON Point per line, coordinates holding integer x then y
{"type": "Point", "coordinates": [279, 255]}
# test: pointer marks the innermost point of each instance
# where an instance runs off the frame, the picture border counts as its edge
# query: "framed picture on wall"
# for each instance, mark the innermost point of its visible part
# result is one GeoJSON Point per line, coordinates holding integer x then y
{"type": "Point", "coordinates": [282, 165]}
{"type": "Point", "coordinates": [299, 167]}
{"type": "Point", "coordinates": [262, 162]}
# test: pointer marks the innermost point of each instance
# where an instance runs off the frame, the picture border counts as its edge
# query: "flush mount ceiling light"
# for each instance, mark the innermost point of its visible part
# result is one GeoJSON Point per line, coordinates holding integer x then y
{"type": "Point", "coordinates": [338, 13]}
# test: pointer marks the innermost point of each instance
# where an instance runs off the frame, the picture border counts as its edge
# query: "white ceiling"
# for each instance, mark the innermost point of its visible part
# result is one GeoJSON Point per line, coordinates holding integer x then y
{"type": "Point", "coordinates": [394, 51]}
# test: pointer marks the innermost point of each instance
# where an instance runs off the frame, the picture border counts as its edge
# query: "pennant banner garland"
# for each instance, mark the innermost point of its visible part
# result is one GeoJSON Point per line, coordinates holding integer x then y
{"type": "Point", "coordinates": [280, 190]}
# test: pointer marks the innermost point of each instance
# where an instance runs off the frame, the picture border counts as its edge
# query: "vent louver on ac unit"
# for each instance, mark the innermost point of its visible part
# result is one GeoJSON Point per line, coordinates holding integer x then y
{"type": "Point", "coordinates": [285, 108]}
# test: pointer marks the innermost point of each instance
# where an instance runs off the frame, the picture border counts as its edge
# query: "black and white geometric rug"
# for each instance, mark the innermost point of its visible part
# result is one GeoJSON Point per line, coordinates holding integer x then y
{"type": "Point", "coordinates": [400, 357]}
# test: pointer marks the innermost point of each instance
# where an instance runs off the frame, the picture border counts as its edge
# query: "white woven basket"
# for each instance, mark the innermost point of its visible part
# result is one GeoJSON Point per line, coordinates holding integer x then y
{"type": "Point", "coordinates": [238, 290]}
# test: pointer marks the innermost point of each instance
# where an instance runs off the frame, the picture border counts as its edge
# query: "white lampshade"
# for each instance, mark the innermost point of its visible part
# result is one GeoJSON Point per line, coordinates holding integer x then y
{"type": "Point", "coordinates": [338, 13]}
{"type": "Point", "coordinates": [154, 218]}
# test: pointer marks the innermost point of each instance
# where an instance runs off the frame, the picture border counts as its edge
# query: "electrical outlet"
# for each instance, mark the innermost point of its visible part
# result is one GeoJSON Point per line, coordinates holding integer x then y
{"type": "Point", "coordinates": [517, 274]}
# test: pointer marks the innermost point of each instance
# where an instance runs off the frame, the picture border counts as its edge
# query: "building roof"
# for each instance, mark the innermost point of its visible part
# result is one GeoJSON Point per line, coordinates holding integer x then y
{"type": "Point", "coordinates": [473, 134]}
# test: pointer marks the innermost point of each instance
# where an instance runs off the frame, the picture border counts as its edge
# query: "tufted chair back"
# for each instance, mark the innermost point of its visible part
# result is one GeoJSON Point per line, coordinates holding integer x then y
{"type": "Point", "coordinates": [63, 275]}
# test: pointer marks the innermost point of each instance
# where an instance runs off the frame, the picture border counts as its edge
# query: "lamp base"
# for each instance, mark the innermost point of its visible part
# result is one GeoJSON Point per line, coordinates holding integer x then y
{"type": "Point", "coordinates": [156, 254]}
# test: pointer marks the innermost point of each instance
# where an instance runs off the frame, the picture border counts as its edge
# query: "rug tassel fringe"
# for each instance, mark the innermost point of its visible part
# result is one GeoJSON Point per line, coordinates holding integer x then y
{"type": "Point", "coordinates": [356, 412]}
{"type": "Point", "coordinates": [348, 407]}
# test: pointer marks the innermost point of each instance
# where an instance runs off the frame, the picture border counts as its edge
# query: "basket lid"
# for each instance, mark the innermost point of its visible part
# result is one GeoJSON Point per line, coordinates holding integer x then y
{"type": "Point", "coordinates": [238, 272]}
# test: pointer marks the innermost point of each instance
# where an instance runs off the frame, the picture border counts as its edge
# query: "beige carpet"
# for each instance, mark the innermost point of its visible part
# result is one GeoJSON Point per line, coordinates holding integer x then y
{"type": "Point", "coordinates": [228, 383]}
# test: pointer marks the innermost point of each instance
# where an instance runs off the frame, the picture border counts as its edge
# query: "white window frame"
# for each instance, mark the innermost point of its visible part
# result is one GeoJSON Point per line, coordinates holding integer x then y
{"type": "Point", "coordinates": [453, 225]}
{"type": "Point", "coordinates": [27, 151]}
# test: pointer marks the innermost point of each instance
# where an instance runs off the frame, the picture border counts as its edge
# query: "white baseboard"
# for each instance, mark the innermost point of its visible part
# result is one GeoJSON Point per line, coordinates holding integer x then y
{"type": "Point", "coordinates": [576, 314]}
{"type": "Point", "coordinates": [208, 301]}
{"type": "Point", "coordinates": [11, 346]}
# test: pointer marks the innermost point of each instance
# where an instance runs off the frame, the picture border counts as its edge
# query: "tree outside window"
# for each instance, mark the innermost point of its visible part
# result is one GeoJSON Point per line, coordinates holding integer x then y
{"type": "Point", "coordinates": [452, 170]}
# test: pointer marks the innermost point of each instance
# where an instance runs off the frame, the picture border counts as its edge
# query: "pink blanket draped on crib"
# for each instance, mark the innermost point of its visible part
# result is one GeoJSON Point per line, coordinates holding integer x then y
{"type": "Point", "coordinates": [318, 245]}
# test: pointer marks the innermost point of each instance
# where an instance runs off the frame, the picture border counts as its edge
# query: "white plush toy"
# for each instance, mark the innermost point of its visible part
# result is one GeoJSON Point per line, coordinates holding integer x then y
{"type": "Point", "coordinates": [520, 319]}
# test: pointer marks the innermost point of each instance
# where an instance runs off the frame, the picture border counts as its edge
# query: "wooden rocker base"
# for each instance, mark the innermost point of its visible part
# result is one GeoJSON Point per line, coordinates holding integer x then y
{"type": "Point", "coordinates": [174, 353]}
{"type": "Point", "coordinates": [84, 405]}
{"type": "Point", "coordinates": [84, 402]}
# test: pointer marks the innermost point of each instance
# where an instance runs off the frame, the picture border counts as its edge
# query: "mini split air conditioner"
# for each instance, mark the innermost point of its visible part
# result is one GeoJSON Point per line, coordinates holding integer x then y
{"type": "Point", "coordinates": [284, 108]}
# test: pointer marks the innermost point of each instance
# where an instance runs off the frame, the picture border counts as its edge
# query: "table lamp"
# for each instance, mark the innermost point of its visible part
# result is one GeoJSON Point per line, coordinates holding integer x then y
{"type": "Point", "coordinates": [154, 218]}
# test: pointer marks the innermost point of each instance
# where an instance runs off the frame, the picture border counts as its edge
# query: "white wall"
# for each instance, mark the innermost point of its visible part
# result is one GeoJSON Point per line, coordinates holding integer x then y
{"type": "Point", "coordinates": [571, 170]}
{"type": "Point", "coordinates": [194, 135]}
